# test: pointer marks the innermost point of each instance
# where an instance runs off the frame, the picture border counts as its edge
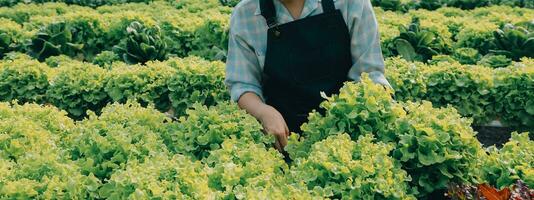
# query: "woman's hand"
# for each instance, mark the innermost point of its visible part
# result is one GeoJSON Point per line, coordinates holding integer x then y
{"type": "Point", "coordinates": [273, 123]}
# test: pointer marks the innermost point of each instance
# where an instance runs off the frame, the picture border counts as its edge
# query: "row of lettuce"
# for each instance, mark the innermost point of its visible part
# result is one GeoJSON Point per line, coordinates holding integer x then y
{"type": "Point", "coordinates": [89, 3]}
{"type": "Point", "coordinates": [135, 32]}
{"type": "Point", "coordinates": [138, 32]}
{"type": "Point", "coordinates": [405, 5]}
{"type": "Point", "coordinates": [365, 146]}
{"type": "Point", "coordinates": [482, 93]}
{"type": "Point", "coordinates": [98, 3]}
{"type": "Point", "coordinates": [394, 5]}
{"type": "Point", "coordinates": [172, 85]}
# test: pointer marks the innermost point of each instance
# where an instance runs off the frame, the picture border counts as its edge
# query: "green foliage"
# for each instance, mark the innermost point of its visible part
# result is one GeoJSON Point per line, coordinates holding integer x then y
{"type": "Point", "coordinates": [105, 59]}
{"type": "Point", "coordinates": [479, 92]}
{"type": "Point", "coordinates": [89, 3]}
{"type": "Point", "coordinates": [526, 4]}
{"type": "Point", "coordinates": [204, 129]}
{"type": "Point", "coordinates": [467, 4]}
{"type": "Point", "coordinates": [23, 139]}
{"type": "Point", "coordinates": [417, 44]}
{"type": "Point", "coordinates": [16, 56]}
{"type": "Point", "coordinates": [196, 81]}
{"type": "Point", "coordinates": [159, 177]}
{"type": "Point", "coordinates": [467, 88]}
{"type": "Point", "coordinates": [6, 43]}
{"type": "Point", "coordinates": [431, 4]}
{"type": "Point", "coordinates": [442, 58]}
{"type": "Point", "coordinates": [23, 80]}
{"type": "Point", "coordinates": [103, 144]}
{"type": "Point", "coordinates": [392, 5]}
{"type": "Point", "coordinates": [514, 161]}
{"type": "Point", "coordinates": [495, 61]}
{"type": "Point", "coordinates": [240, 167]}
{"type": "Point", "coordinates": [220, 151]}
{"type": "Point", "coordinates": [339, 168]}
{"type": "Point", "coordinates": [434, 145]}
{"type": "Point", "coordinates": [32, 166]}
{"type": "Point", "coordinates": [200, 28]}
{"type": "Point", "coordinates": [53, 40]}
{"type": "Point", "coordinates": [145, 84]}
{"type": "Point", "coordinates": [406, 5]}
{"type": "Point", "coordinates": [48, 118]}
{"type": "Point", "coordinates": [142, 44]}
{"type": "Point", "coordinates": [406, 79]}
{"type": "Point", "coordinates": [230, 3]}
{"type": "Point", "coordinates": [514, 42]}
{"type": "Point", "coordinates": [477, 35]}
{"type": "Point", "coordinates": [78, 88]}
{"type": "Point", "coordinates": [56, 61]}
{"type": "Point", "coordinates": [466, 56]}
{"type": "Point", "coordinates": [514, 96]}
{"type": "Point", "coordinates": [359, 109]}
{"type": "Point", "coordinates": [211, 39]}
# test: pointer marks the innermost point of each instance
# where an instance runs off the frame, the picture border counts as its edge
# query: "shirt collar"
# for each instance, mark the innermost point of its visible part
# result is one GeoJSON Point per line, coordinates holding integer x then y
{"type": "Point", "coordinates": [309, 7]}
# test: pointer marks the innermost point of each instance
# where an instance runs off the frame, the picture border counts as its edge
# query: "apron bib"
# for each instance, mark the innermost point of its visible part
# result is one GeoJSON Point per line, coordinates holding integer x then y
{"type": "Point", "coordinates": [304, 58]}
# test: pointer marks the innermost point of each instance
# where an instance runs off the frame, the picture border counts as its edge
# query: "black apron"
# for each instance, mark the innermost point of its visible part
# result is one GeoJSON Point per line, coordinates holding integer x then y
{"type": "Point", "coordinates": [304, 58]}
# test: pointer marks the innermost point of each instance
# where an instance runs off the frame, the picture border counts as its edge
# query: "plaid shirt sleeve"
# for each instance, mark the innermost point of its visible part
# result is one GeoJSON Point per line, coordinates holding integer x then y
{"type": "Point", "coordinates": [365, 43]}
{"type": "Point", "coordinates": [243, 71]}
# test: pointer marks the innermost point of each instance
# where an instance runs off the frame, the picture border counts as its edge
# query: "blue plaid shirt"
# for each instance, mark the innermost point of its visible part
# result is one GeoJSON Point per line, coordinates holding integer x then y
{"type": "Point", "coordinates": [248, 42]}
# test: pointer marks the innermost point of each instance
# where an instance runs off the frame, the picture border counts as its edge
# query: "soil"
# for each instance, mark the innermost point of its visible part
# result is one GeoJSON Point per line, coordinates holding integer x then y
{"type": "Point", "coordinates": [491, 135]}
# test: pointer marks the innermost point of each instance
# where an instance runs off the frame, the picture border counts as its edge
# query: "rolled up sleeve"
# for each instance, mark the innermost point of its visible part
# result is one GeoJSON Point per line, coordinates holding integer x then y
{"type": "Point", "coordinates": [243, 71]}
{"type": "Point", "coordinates": [365, 44]}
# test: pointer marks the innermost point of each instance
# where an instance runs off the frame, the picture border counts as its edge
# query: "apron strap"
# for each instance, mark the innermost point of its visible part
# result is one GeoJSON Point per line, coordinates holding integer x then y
{"type": "Point", "coordinates": [268, 12]}
{"type": "Point", "coordinates": [328, 6]}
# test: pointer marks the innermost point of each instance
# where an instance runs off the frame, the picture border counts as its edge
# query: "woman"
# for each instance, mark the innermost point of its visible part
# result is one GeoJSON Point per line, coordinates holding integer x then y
{"type": "Point", "coordinates": [283, 53]}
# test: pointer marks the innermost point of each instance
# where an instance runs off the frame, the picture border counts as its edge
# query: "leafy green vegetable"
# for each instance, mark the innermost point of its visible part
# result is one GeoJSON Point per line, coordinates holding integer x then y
{"type": "Point", "coordinates": [104, 144]}
{"type": "Point", "coordinates": [32, 165]}
{"type": "Point", "coordinates": [416, 44]}
{"type": "Point", "coordinates": [10, 37]}
{"type": "Point", "coordinates": [78, 88]}
{"type": "Point", "coordinates": [142, 44]}
{"type": "Point", "coordinates": [339, 168]}
{"type": "Point", "coordinates": [514, 161]}
{"type": "Point", "coordinates": [513, 91]}
{"type": "Point", "coordinates": [495, 61]}
{"type": "Point", "coordinates": [159, 177]}
{"type": "Point", "coordinates": [145, 84]}
{"type": "Point", "coordinates": [56, 61]}
{"type": "Point", "coordinates": [433, 145]}
{"type": "Point", "coordinates": [23, 80]}
{"type": "Point", "coordinates": [406, 78]}
{"type": "Point", "coordinates": [467, 56]}
{"type": "Point", "coordinates": [240, 168]}
{"type": "Point", "coordinates": [53, 40]}
{"type": "Point", "coordinates": [467, 4]}
{"type": "Point", "coordinates": [105, 59]}
{"type": "Point", "coordinates": [467, 88]}
{"type": "Point", "coordinates": [196, 81]}
{"type": "Point", "coordinates": [514, 42]}
{"type": "Point", "coordinates": [204, 129]}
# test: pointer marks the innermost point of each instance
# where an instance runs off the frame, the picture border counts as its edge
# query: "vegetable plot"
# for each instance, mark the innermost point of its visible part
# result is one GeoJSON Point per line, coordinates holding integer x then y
{"type": "Point", "coordinates": [121, 100]}
{"type": "Point", "coordinates": [383, 149]}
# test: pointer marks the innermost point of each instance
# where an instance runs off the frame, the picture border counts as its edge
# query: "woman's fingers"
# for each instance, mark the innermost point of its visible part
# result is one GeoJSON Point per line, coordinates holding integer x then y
{"type": "Point", "coordinates": [287, 131]}
{"type": "Point", "coordinates": [277, 145]}
{"type": "Point", "coordinates": [282, 139]}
